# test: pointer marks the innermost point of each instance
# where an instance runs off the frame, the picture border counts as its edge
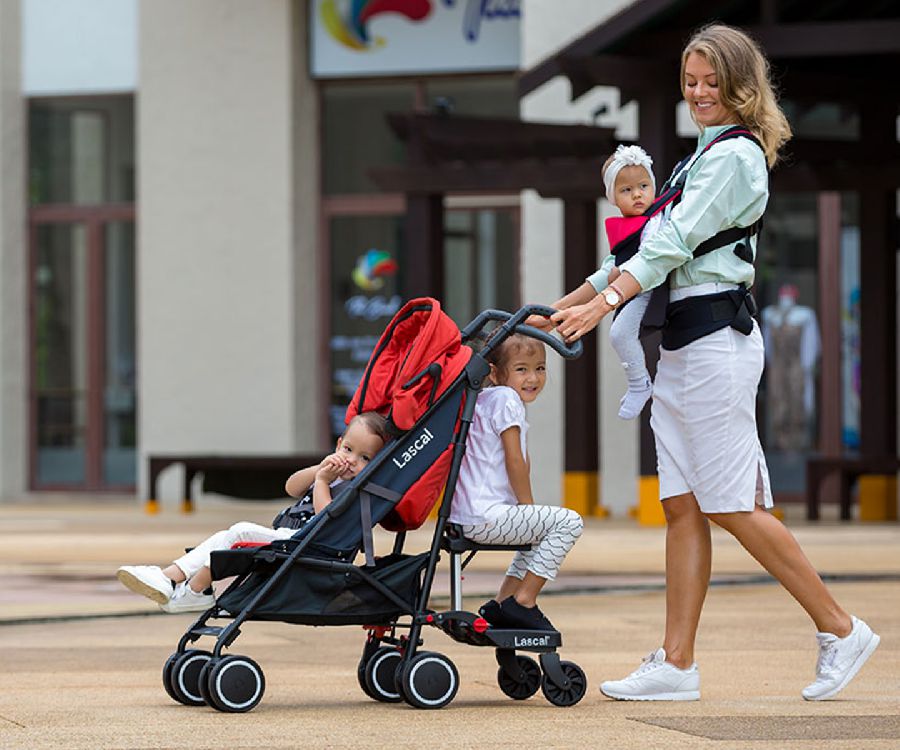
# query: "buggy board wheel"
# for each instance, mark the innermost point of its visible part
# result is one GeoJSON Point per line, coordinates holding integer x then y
{"type": "Point", "coordinates": [184, 676]}
{"type": "Point", "coordinates": [429, 680]}
{"type": "Point", "coordinates": [565, 696]}
{"type": "Point", "coordinates": [378, 675]}
{"type": "Point", "coordinates": [235, 683]}
{"type": "Point", "coordinates": [525, 684]}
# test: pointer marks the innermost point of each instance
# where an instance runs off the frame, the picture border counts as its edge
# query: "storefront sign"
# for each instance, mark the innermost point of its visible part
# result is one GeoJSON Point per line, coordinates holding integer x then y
{"type": "Point", "coordinates": [352, 38]}
{"type": "Point", "coordinates": [365, 299]}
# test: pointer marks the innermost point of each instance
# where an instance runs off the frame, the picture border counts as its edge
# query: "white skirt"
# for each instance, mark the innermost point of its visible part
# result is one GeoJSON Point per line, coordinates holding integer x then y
{"type": "Point", "coordinates": [704, 419]}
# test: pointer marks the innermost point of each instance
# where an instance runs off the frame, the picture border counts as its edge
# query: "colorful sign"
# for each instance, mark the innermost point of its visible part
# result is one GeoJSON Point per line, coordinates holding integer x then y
{"type": "Point", "coordinates": [352, 38]}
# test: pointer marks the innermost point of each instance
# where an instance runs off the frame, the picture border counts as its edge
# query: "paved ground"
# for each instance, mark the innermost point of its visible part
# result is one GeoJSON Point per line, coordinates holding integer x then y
{"type": "Point", "coordinates": [82, 656]}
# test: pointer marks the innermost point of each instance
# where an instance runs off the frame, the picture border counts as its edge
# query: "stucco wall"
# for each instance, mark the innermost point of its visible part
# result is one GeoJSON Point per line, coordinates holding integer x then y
{"type": "Point", "coordinates": [216, 196]}
{"type": "Point", "coordinates": [13, 255]}
{"type": "Point", "coordinates": [546, 27]}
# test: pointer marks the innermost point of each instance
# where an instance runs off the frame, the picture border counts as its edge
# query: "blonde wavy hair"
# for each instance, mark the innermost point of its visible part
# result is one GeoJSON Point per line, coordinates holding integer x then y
{"type": "Point", "coordinates": [745, 87]}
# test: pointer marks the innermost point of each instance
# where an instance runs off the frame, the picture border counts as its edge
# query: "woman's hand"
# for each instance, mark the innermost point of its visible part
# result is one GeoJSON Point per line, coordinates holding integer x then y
{"type": "Point", "coordinates": [573, 322]}
{"type": "Point", "coordinates": [539, 322]}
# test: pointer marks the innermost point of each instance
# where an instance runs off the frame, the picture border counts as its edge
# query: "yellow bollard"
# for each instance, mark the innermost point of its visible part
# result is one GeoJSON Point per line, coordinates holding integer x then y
{"type": "Point", "coordinates": [877, 497]}
{"type": "Point", "coordinates": [580, 493]}
{"type": "Point", "coordinates": [650, 510]}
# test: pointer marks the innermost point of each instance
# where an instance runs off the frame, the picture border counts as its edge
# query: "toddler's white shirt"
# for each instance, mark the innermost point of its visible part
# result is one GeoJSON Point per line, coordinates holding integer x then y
{"type": "Point", "coordinates": [483, 487]}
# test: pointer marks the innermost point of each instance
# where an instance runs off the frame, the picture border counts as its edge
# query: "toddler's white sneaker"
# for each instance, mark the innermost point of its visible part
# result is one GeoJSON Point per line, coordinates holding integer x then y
{"type": "Point", "coordinates": [656, 680]}
{"type": "Point", "coordinates": [147, 580]}
{"type": "Point", "coordinates": [840, 659]}
{"type": "Point", "coordinates": [185, 599]}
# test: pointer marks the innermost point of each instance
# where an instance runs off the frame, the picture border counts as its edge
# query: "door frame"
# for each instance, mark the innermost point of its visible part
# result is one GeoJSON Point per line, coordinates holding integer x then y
{"type": "Point", "coordinates": [93, 218]}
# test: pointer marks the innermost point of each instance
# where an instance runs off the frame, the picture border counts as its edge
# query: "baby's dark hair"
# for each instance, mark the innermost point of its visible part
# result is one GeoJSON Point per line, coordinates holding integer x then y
{"type": "Point", "coordinates": [373, 422]}
{"type": "Point", "coordinates": [510, 347]}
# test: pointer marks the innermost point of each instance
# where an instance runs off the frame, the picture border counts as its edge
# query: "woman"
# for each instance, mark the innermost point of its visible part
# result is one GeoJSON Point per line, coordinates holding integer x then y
{"type": "Point", "coordinates": [711, 464]}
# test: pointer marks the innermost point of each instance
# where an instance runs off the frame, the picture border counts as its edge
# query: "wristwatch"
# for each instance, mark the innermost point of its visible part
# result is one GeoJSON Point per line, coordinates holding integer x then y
{"type": "Point", "coordinates": [612, 297]}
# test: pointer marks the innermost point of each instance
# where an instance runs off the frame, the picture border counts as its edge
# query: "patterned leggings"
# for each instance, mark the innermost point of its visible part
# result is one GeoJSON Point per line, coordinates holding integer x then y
{"type": "Point", "coordinates": [551, 530]}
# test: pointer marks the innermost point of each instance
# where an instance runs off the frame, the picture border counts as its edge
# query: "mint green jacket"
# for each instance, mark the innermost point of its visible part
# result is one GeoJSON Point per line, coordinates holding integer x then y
{"type": "Point", "coordinates": [728, 187]}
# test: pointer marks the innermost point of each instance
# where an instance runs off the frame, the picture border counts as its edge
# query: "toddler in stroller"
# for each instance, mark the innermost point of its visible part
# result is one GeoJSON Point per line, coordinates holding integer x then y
{"type": "Point", "coordinates": [426, 382]}
{"type": "Point", "coordinates": [184, 586]}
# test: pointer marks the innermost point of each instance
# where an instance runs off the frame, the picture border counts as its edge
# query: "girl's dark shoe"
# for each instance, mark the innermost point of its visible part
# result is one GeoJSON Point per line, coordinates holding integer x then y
{"type": "Point", "coordinates": [490, 611]}
{"type": "Point", "coordinates": [528, 618]}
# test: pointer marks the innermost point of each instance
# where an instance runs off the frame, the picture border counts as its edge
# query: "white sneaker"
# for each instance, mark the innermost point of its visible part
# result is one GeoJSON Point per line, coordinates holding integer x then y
{"type": "Point", "coordinates": [147, 580]}
{"type": "Point", "coordinates": [185, 599]}
{"type": "Point", "coordinates": [840, 659]}
{"type": "Point", "coordinates": [632, 403]}
{"type": "Point", "coordinates": [656, 680]}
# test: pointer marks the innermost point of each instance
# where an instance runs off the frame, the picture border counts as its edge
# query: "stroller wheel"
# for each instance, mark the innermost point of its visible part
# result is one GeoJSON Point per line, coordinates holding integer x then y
{"type": "Point", "coordinates": [203, 681]}
{"type": "Point", "coordinates": [569, 695]}
{"type": "Point", "coordinates": [167, 675]}
{"type": "Point", "coordinates": [522, 685]}
{"type": "Point", "coordinates": [181, 676]}
{"type": "Point", "coordinates": [235, 684]}
{"type": "Point", "coordinates": [429, 680]}
{"type": "Point", "coordinates": [378, 675]}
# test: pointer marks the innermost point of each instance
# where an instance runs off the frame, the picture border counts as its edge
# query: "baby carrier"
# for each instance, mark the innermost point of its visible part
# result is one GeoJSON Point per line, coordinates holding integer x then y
{"type": "Point", "coordinates": [426, 382]}
{"type": "Point", "coordinates": [687, 320]}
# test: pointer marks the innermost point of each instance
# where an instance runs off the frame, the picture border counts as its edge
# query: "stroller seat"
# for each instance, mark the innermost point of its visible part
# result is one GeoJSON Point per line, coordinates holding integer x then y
{"type": "Point", "coordinates": [455, 542]}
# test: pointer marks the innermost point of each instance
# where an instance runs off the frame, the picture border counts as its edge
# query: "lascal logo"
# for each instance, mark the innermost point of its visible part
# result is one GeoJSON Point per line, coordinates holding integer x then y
{"type": "Point", "coordinates": [348, 20]}
{"type": "Point", "coordinates": [410, 451]}
{"type": "Point", "coordinates": [371, 268]}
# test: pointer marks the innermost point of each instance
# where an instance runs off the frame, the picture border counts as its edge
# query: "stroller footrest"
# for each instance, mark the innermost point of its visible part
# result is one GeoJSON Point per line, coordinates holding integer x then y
{"type": "Point", "coordinates": [206, 630]}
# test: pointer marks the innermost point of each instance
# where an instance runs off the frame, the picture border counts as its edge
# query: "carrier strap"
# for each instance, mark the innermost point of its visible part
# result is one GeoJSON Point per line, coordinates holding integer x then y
{"type": "Point", "coordinates": [694, 317]}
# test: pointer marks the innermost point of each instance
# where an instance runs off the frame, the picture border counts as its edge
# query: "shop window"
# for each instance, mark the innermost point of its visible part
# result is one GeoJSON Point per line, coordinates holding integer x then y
{"type": "Point", "coordinates": [81, 151]}
{"type": "Point", "coordinates": [356, 134]}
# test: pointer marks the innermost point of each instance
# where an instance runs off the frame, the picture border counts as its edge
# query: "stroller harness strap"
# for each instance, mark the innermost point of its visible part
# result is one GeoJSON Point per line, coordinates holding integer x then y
{"type": "Point", "coordinates": [365, 515]}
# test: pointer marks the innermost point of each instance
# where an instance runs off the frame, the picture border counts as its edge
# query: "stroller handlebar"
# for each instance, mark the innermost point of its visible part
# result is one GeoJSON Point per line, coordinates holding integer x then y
{"type": "Point", "coordinates": [514, 323]}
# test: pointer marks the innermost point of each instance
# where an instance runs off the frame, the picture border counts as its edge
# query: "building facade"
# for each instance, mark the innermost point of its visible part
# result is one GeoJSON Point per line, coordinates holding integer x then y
{"type": "Point", "coordinates": [196, 257]}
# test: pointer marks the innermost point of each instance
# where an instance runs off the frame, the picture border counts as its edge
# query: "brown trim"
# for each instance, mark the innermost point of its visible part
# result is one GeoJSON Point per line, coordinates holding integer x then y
{"type": "Point", "coordinates": [363, 204]}
{"type": "Point", "coordinates": [72, 213]}
{"type": "Point", "coordinates": [830, 392]}
{"type": "Point", "coordinates": [96, 328]}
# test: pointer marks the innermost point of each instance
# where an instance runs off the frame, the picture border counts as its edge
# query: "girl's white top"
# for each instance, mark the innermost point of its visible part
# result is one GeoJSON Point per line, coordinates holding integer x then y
{"type": "Point", "coordinates": [483, 488]}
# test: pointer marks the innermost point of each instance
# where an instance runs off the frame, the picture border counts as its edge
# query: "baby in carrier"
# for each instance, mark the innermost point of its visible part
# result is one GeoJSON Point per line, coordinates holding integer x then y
{"type": "Point", "coordinates": [184, 586]}
{"type": "Point", "coordinates": [631, 187]}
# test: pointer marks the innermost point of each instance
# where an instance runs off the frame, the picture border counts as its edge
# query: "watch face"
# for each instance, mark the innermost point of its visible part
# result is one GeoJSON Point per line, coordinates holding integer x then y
{"type": "Point", "coordinates": [612, 298]}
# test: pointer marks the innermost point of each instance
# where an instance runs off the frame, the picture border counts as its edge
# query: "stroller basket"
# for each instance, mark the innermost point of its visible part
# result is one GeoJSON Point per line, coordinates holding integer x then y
{"type": "Point", "coordinates": [313, 595]}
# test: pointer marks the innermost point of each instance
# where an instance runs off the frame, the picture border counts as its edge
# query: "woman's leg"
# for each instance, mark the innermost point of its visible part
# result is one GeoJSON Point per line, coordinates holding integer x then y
{"type": "Point", "coordinates": [688, 564]}
{"type": "Point", "coordinates": [776, 549]}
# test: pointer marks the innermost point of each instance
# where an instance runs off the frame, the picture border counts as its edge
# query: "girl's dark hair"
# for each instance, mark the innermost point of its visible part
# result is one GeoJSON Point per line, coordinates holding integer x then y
{"type": "Point", "coordinates": [502, 354]}
{"type": "Point", "coordinates": [373, 422]}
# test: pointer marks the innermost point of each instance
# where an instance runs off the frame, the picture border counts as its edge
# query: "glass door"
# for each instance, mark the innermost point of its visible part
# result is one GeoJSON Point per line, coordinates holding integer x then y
{"type": "Point", "coordinates": [83, 367]}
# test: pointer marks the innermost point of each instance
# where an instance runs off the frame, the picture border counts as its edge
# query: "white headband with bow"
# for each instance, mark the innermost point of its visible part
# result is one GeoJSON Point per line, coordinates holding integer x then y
{"type": "Point", "coordinates": [626, 156]}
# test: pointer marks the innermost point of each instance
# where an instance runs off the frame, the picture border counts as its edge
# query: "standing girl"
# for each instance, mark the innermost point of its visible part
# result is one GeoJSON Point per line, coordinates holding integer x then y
{"type": "Point", "coordinates": [493, 501]}
{"type": "Point", "coordinates": [711, 465]}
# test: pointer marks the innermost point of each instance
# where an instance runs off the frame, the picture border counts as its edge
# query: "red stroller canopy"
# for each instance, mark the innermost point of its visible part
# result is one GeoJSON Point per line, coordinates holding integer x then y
{"type": "Point", "coordinates": [417, 358]}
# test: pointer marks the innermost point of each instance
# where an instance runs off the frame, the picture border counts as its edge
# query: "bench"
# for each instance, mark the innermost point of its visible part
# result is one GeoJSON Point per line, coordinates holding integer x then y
{"type": "Point", "coordinates": [249, 476]}
{"type": "Point", "coordinates": [848, 468]}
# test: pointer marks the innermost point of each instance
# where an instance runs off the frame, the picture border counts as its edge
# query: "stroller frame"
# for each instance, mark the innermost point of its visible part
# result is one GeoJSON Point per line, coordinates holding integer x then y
{"type": "Point", "coordinates": [392, 668]}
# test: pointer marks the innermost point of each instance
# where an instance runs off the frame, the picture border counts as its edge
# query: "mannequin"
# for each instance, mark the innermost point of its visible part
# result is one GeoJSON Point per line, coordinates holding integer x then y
{"type": "Point", "coordinates": [791, 337]}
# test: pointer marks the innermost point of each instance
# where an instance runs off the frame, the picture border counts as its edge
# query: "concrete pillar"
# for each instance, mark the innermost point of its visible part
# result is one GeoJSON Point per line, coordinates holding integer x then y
{"type": "Point", "coordinates": [13, 259]}
{"type": "Point", "coordinates": [218, 298]}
